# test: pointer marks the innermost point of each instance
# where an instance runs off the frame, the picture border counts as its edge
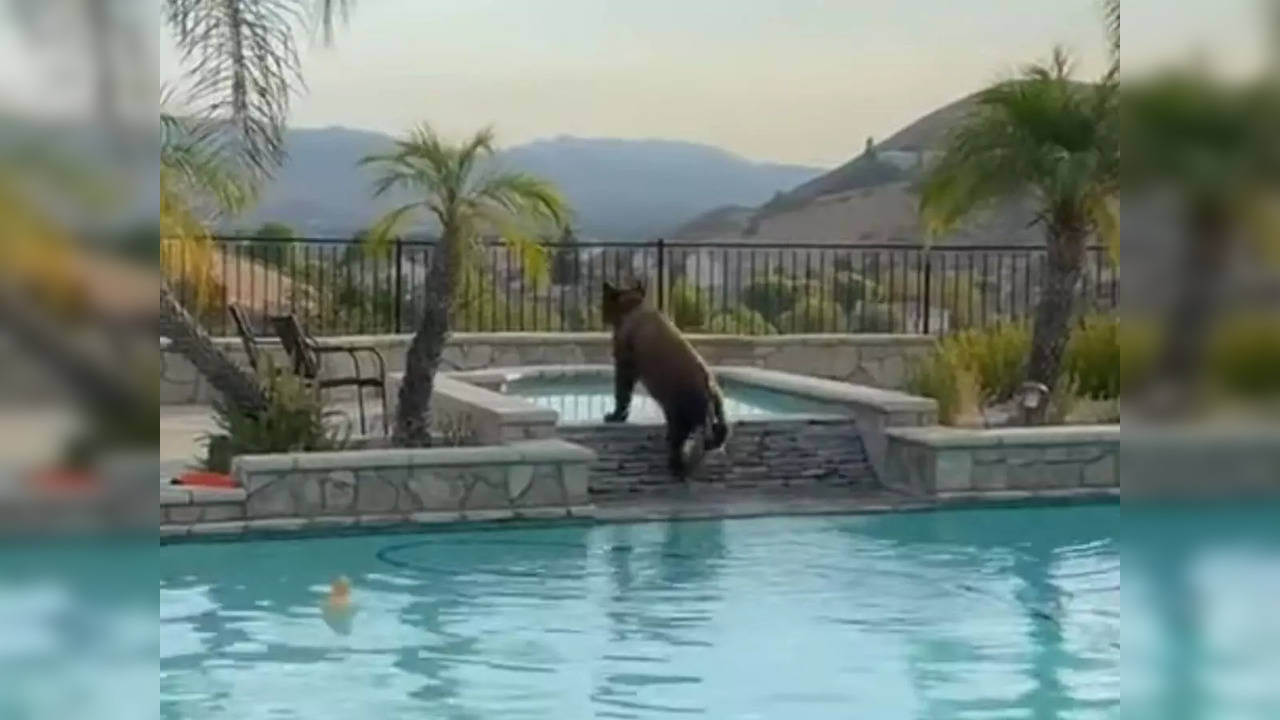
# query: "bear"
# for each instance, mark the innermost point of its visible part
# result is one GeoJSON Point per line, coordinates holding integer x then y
{"type": "Point", "coordinates": [649, 348]}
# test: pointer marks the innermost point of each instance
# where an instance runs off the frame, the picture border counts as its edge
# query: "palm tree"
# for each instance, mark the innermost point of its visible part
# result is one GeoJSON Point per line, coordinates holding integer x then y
{"type": "Point", "coordinates": [1045, 136]}
{"type": "Point", "coordinates": [460, 190]}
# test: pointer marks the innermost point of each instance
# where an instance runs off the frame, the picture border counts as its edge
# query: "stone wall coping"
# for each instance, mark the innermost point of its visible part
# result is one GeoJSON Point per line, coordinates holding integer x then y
{"type": "Point", "coordinates": [793, 383]}
{"type": "Point", "coordinates": [887, 401]}
{"type": "Point", "coordinates": [507, 409]}
{"type": "Point", "coordinates": [940, 436]}
{"type": "Point", "coordinates": [540, 451]}
{"type": "Point", "coordinates": [490, 376]}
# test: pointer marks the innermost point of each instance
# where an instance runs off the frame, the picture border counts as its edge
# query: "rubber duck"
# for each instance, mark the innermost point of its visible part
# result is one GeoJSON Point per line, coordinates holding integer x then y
{"type": "Point", "coordinates": [337, 608]}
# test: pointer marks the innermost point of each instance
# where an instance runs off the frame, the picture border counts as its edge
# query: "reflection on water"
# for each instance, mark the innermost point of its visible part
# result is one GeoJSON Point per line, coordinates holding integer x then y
{"type": "Point", "coordinates": [931, 615]}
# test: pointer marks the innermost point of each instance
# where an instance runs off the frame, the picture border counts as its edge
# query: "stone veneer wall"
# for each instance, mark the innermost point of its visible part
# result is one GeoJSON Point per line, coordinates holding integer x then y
{"type": "Point", "coordinates": [943, 462]}
{"type": "Point", "coordinates": [759, 454]}
{"type": "Point", "coordinates": [870, 359]}
{"type": "Point", "coordinates": [301, 491]}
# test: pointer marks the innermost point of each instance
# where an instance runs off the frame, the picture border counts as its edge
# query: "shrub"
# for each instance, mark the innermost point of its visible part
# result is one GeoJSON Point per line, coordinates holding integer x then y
{"type": "Point", "coordinates": [813, 314]}
{"type": "Point", "coordinates": [458, 431]}
{"type": "Point", "coordinates": [946, 377]}
{"type": "Point", "coordinates": [973, 367]}
{"type": "Point", "coordinates": [1092, 359]}
{"type": "Point", "coordinates": [295, 419]}
{"type": "Point", "coordinates": [874, 318]}
{"type": "Point", "coordinates": [771, 295]}
{"type": "Point", "coordinates": [741, 321]}
{"type": "Point", "coordinates": [687, 306]}
{"type": "Point", "coordinates": [997, 355]}
{"type": "Point", "coordinates": [1244, 358]}
{"type": "Point", "coordinates": [851, 290]}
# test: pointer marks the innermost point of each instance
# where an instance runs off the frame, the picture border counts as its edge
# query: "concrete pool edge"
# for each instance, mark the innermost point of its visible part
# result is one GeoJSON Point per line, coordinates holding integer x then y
{"type": "Point", "coordinates": [670, 508]}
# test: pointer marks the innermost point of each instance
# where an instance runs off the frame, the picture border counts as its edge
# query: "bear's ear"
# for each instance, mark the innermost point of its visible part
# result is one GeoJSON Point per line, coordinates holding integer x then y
{"type": "Point", "coordinates": [639, 288]}
{"type": "Point", "coordinates": [609, 289]}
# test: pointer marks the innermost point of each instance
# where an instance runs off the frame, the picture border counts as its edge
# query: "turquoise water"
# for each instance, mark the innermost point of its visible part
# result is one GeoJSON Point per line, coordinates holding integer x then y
{"type": "Point", "coordinates": [586, 400]}
{"type": "Point", "coordinates": [964, 614]}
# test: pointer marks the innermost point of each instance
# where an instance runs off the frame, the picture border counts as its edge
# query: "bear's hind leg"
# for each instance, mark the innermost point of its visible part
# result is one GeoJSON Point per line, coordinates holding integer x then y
{"type": "Point", "coordinates": [677, 433]}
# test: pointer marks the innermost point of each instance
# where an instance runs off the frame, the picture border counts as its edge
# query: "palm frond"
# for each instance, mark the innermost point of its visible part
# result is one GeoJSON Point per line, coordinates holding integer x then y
{"type": "Point", "coordinates": [1040, 135]}
{"type": "Point", "coordinates": [1111, 19]}
{"type": "Point", "coordinates": [526, 196]}
{"type": "Point", "coordinates": [471, 201]}
{"type": "Point", "coordinates": [241, 66]}
{"type": "Point", "coordinates": [191, 165]}
{"type": "Point", "coordinates": [329, 13]}
{"type": "Point", "coordinates": [389, 226]}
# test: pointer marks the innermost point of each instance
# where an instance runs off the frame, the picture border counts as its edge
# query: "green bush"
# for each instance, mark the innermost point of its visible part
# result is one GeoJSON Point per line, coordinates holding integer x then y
{"type": "Point", "coordinates": [813, 314]}
{"type": "Point", "coordinates": [687, 306]}
{"type": "Point", "coordinates": [946, 377]}
{"type": "Point", "coordinates": [1092, 359]}
{"type": "Point", "coordinates": [1244, 358]}
{"type": "Point", "coordinates": [874, 318]}
{"type": "Point", "coordinates": [973, 367]}
{"type": "Point", "coordinates": [997, 355]}
{"type": "Point", "coordinates": [295, 419]}
{"type": "Point", "coordinates": [771, 295]}
{"type": "Point", "coordinates": [851, 290]}
{"type": "Point", "coordinates": [741, 321]}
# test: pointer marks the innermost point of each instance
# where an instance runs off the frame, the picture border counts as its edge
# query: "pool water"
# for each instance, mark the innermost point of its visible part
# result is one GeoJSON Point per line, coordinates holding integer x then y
{"type": "Point", "coordinates": [586, 400]}
{"type": "Point", "coordinates": [1010, 613]}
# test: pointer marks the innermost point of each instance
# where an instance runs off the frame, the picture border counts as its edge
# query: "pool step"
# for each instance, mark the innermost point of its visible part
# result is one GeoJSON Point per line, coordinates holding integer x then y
{"type": "Point", "coordinates": [771, 453]}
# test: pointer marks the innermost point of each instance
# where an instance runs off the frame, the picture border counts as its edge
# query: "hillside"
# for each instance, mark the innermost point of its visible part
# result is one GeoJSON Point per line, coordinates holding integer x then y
{"type": "Point", "coordinates": [869, 199]}
{"type": "Point", "coordinates": [620, 189]}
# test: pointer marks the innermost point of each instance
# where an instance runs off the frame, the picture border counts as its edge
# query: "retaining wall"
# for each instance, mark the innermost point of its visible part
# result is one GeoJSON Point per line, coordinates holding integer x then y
{"type": "Point", "coordinates": [870, 359]}
{"type": "Point", "coordinates": [301, 491]}
{"type": "Point", "coordinates": [953, 463]}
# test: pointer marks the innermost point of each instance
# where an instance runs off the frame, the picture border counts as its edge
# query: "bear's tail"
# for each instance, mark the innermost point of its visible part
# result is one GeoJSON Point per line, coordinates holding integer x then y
{"type": "Point", "coordinates": [717, 423]}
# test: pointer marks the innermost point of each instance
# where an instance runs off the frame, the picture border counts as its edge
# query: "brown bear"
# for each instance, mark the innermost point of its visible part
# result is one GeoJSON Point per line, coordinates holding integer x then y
{"type": "Point", "coordinates": [649, 348]}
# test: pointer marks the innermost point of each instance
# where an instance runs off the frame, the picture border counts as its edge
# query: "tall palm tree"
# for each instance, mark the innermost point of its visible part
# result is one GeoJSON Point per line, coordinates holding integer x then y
{"type": "Point", "coordinates": [1045, 136]}
{"type": "Point", "coordinates": [459, 188]}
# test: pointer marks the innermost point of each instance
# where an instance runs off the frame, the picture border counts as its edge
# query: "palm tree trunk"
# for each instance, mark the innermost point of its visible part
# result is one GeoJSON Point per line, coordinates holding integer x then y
{"type": "Point", "coordinates": [1057, 305]}
{"type": "Point", "coordinates": [413, 409]}
{"type": "Point", "coordinates": [236, 385]}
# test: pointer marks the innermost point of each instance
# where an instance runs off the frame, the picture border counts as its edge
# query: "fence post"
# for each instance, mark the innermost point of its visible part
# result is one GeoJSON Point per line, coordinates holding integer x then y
{"type": "Point", "coordinates": [398, 294]}
{"type": "Point", "coordinates": [662, 274]}
{"type": "Point", "coordinates": [927, 309]}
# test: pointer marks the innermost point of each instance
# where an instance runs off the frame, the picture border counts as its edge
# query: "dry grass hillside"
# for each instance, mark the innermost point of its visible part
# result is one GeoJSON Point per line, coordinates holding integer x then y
{"type": "Point", "coordinates": [870, 199]}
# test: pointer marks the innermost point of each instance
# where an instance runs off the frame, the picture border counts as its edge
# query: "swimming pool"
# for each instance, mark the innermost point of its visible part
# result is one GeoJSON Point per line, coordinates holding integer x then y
{"type": "Point", "coordinates": [586, 400]}
{"type": "Point", "coordinates": [948, 614]}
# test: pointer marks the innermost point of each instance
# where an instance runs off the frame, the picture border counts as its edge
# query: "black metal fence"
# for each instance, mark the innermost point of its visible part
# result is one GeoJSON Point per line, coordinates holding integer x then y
{"type": "Point", "coordinates": [337, 287]}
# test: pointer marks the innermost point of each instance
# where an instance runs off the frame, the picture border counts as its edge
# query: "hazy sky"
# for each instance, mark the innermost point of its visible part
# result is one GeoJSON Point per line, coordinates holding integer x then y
{"type": "Point", "coordinates": [801, 81]}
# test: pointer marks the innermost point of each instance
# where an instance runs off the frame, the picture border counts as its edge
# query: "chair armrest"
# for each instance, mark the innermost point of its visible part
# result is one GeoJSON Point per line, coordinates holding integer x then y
{"type": "Point", "coordinates": [352, 350]}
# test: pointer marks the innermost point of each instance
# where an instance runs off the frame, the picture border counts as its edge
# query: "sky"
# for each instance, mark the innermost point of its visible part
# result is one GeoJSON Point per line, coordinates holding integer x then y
{"type": "Point", "coordinates": [801, 81]}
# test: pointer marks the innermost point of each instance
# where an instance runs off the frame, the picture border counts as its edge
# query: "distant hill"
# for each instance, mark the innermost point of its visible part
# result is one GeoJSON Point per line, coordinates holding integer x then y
{"type": "Point", "coordinates": [620, 189]}
{"type": "Point", "coordinates": [726, 220]}
{"type": "Point", "coordinates": [871, 198]}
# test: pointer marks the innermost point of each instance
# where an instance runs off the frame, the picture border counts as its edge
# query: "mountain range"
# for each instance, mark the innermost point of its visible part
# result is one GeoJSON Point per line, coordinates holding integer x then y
{"type": "Point", "coordinates": [619, 189]}
{"type": "Point", "coordinates": [643, 189]}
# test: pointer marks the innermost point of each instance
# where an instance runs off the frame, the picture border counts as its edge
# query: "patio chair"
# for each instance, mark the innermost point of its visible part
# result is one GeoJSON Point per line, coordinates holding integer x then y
{"type": "Point", "coordinates": [248, 338]}
{"type": "Point", "coordinates": [306, 354]}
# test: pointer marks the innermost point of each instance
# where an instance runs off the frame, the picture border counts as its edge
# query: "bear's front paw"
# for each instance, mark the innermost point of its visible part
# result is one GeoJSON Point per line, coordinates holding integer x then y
{"type": "Point", "coordinates": [616, 416]}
